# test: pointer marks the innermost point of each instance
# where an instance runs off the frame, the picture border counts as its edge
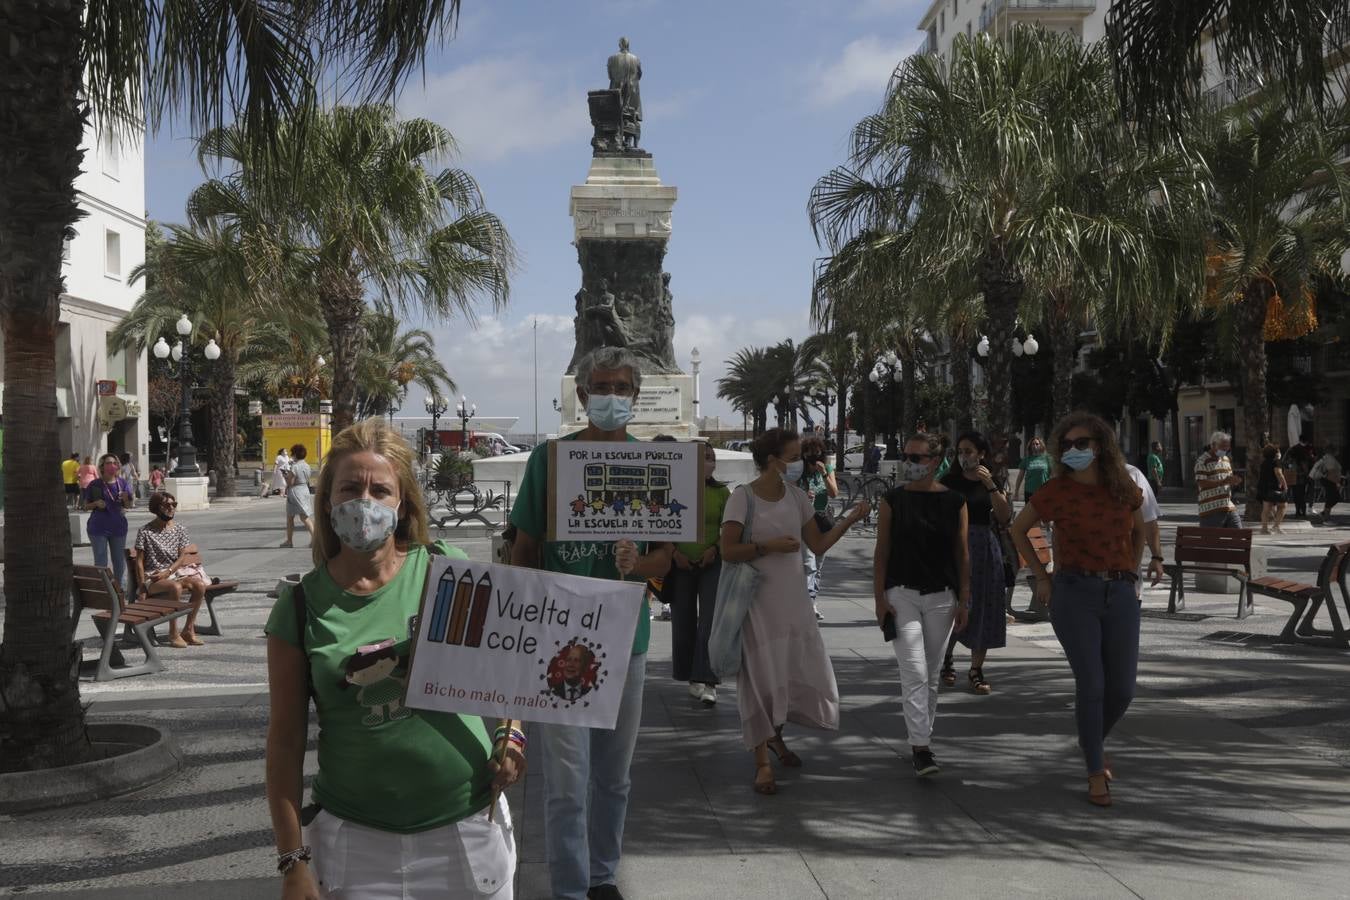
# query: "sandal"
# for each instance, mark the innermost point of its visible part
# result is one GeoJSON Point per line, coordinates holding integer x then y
{"type": "Point", "coordinates": [177, 643]}
{"type": "Point", "coordinates": [194, 640]}
{"type": "Point", "coordinates": [1110, 775]}
{"type": "Point", "coordinates": [948, 673]}
{"type": "Point", "coordinates": [765, 787]}
{"type": "Point", "coordinates": [785, 756]}
{"type": "Point", "coordinates": [978, 684]}
{"type": "Point", "coordinates": [1102, 797]}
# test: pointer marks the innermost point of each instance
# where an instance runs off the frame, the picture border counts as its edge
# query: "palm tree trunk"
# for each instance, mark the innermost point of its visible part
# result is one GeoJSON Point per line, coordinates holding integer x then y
{"type": "Point", "coordinates": [1003, 288]}
{"type": "Point", "coordinates": [1174, 476]}
{"type": "Point", "coordinates": [841, 426]}
{"type": "Point", "coordinates": [223, 427]}
{"type": "Point", "coordinates": [961, 390]}
{"type": "Point", "coordinates": [342, 311]}
{"type": "Point", "coordinates": [1251, 349]}
{"type": "Point", "coordinates": [1064, 350]}
{"type": "Point", "coordinates": [41, 720]}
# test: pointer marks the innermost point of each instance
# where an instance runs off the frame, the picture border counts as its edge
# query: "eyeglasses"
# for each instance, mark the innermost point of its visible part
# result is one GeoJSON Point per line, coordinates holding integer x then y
{"type": "Point", "coordinates": [1082, 443]}
{"type": "Point", "coordinates": [916, 457]}
{"type": "Point", "coordinates": [605, 388]}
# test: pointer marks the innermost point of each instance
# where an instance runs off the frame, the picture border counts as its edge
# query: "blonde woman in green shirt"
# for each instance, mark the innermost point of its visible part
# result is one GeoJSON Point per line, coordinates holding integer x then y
{"type": "Point", "coordinates": [406, 803]}
{"type": "Point", "coordinates": [692, 591]}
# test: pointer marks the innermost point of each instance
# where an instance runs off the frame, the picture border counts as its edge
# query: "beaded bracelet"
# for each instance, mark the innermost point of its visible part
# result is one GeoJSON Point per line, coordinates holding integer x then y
{"type": "Point", "coordinates": [287, 861]}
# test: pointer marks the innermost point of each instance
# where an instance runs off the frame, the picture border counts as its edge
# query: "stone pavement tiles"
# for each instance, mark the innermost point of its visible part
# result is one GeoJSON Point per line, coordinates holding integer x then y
{"type": "Point", "coordinates": [1230, 783]}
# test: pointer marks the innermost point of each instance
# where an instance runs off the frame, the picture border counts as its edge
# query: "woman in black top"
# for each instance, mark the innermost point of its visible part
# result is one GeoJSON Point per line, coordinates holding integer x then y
{"type": "Point", "coordinates": [920, 568]}
{"type": "Point", "coordinates": [986, 507]}
{"type": "Point", "coordinates": [1272, 489]}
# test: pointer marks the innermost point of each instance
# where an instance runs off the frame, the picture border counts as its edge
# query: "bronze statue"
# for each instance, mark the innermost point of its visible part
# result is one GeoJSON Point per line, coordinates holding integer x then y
{"type": "Point", "coordinates": [625, 71]}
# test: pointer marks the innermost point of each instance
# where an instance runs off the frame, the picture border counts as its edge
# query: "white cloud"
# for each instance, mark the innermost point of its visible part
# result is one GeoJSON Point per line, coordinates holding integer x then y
{"type": "Point", "coordinates": [864, 66]}
{"type": "Point", "coordinates": [896, 10]}
{"type": "Point", "coordinates": [497, 107]}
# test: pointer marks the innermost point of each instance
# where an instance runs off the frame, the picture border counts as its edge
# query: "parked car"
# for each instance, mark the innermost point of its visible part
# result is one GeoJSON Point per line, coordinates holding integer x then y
{"type": "Point", "coordinates": [853, 458]}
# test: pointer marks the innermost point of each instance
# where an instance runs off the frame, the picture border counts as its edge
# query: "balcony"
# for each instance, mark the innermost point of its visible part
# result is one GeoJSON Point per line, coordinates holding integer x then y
{"type": "Point", "coordinates": [1011, 11]}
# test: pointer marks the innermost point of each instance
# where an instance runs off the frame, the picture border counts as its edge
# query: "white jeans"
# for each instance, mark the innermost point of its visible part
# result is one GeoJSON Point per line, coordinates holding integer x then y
{"type": "Point", "coordinates": [466, 860]}
{"type": "Point", "coordinates": [923, 623]}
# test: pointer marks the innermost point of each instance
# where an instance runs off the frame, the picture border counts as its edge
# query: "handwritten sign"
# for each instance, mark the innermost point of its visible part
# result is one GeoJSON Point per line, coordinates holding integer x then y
{"type": "Point", "coordinates": [292, 420]}
{"type": "Point", "coordinates": [600, 491]}
{"type": "Point", "coordinates": [502, 641]}
{"type": "Point", "coordinates": [290, 404]}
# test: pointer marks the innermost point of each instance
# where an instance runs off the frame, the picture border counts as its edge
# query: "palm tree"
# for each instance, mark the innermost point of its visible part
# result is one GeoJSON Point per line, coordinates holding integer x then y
{"type": "Point", "coordinates": [1281, 210]}
{"type": "Point", "coordinates": [833, 355]}
{"type": "Point", "coordinates": [134, 61]}
{"type": "Point", "coordinates": [355, 206]}
{"type": "Point", "coordinates": [748, 387]}
{"type": "Point", "coordinates": [391, 360]}
{"type": "Point", "coordinates": [1156, 46]}
{"type": "Point", "coordinates": [286, 359]}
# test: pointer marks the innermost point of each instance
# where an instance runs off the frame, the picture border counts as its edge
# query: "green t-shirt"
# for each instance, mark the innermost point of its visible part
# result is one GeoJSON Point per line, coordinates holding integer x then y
{"type": "Point", "coordinates": [816, 487]}
{"type": "Point", "coordinates": [382, 764]}
{"type": "Point", "coordinates": [714, 502]}
{"type": "Point", "coordinates": [1155, 467]}
{"type": "Point", "coordinates": [592, 559]}
{"type": "Point", "coordinates": [1035, 472]}
{"type": "Point", "coordinates": [942, 468]}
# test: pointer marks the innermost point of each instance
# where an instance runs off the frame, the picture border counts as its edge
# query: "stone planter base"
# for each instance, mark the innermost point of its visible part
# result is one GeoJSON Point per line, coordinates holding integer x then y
{"type": "Point", "coordinates": [133, 757]}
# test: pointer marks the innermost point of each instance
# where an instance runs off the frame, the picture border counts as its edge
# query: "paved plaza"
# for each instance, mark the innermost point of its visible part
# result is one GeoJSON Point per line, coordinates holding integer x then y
{"type": "Point", "coordinates": [1233, 765]}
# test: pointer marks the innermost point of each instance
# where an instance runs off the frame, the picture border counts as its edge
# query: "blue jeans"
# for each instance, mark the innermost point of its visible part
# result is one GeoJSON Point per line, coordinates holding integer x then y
{"type": "Point", "coordinates": [117, 543]}
{"type": "Point", "coordinates": [586, 792]}
{"type": "Point", "coordinates": [813, 565]}
{"type": "Point", "coordinates": [1224, 518]}
{"type": "Point", "coordinates": [1097, 623]}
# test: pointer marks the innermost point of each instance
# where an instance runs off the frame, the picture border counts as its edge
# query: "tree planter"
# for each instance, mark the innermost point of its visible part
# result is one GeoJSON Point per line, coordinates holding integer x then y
{"type": "Point", "coordinates": [130, 757]}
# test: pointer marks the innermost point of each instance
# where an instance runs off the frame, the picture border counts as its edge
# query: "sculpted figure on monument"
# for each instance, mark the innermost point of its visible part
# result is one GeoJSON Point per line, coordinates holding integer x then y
{"type": "Point", "coordinates": [625, 71]}
{"type": "Point", "coordinates": [607, 326]}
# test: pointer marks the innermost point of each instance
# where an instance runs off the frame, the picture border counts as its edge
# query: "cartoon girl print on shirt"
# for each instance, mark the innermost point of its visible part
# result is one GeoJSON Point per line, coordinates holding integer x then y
{"type": "Point", "coordinates": [379, 673]}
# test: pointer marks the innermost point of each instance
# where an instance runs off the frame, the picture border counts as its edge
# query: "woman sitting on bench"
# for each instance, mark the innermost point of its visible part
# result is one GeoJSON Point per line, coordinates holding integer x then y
{"type": "Point", "coordinates": [168, 565]}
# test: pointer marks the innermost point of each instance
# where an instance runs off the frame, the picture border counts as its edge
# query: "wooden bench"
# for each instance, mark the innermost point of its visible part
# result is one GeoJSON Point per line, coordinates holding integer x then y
{"type": "Point", "coordinates": [1222, 551]}
{"type": "Point", "coordinates": [95, 589]}
{"type": "Point", "coordinates": [1035, 612]}
{"type": "Point", "coordinates": [1308, 600]}
{"type": "Point", "coordinates": [214, 590]}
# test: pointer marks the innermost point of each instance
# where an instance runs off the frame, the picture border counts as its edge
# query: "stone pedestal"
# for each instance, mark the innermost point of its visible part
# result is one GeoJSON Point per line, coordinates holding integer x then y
{"type": "Point", "coordinates": [192, 493]}
{"type": "Point", "coordinates": [665, 405]}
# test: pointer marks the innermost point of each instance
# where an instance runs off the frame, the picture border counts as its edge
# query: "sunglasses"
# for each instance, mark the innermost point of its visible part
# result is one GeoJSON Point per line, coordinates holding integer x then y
{"type": "Point", "coordinates": [1082, 443]}
{"type": "Point", "coordinates": [916, 457]}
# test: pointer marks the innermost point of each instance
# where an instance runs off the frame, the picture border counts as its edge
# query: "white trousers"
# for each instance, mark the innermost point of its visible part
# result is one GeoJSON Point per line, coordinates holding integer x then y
{"type": "Point", "coordinates": [923, 623]}
{"type": "Point", "coordinates": [466, 860]}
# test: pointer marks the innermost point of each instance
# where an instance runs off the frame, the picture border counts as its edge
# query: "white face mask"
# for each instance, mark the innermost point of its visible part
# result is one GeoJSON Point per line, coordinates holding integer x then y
{"type": "Point", "coordinates": [364, 524]}
{"type": "Point", "coordinates": [912, 471]}
{"type": "Point", "coordinates": [794, 471]}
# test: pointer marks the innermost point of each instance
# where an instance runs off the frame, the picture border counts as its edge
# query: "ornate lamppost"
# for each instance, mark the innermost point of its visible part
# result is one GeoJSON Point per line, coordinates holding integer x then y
{"type": "Point", "coordinates": [466, 411]}
{"type": "Point", "coordinates": [187, 452]}
{"type": "Point", "coordinates": [436, 407]}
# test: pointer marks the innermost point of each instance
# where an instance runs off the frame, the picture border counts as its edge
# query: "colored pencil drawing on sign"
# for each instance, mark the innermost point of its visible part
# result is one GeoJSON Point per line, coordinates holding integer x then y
{"type": "Point", "coordinates": [503, 641]}
{"type": "Point", "coordinates": [640, 491]}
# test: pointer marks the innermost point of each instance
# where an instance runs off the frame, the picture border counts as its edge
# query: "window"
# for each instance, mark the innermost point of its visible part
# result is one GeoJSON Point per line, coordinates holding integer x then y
{"type": "Point", "coordinates": [968, 32]}
{"type": "Point", "coordinates": [112, 157]}
{"type": "Point", "coordinates": [112, 254]}
{"type": "Point", "coordinates": [942, 22]}
{"type": "Point", "coordinates": [117, 360]}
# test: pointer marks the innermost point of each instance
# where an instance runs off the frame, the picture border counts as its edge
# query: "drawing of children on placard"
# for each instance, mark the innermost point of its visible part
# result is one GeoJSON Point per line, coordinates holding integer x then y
{"type": "Point", "coordinates": [573, 672]}
{"type": "Point", "coordinates": [380, 673]}
{"type": "Point", "coordinates": [636, 506]}
{"type": "Point", "coordinates": [620, 505]}
{"type": "Point", "coordinates": [597, 506]}
{"type": "Point", "coordinates": [654, 508]}
{"type": "Point", "coordinates": [578, 505]}
{"type": "Point", "coordinates": [676, 507]}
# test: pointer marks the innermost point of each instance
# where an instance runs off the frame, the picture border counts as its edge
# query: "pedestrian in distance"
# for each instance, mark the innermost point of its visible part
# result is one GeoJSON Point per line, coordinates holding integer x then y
{"type": "Point", "coordinates": [128, 473]}
{"type": "Point", "coordinates": [108, 498]}
{"type": "Point", "coordinates": [691, 588]}
{"type": "Point", "coordinates": [406, 803]}
{"type": "Point", "coordinates": [1215, 480]}
{"type": "Point", "coordinates": [921, 584]}
{"type": "Point", "coordinates": [586, 779]}
{"type": "Point", "coordinates": [1154, 466]}
{"type": "Point", "coordinates": [299, 496]}
{"type": "Point", "coordinates": [1035, 470]}
{"type": "Point", "coordinates": [280, 466]}
{"type": "Point", "coordinates": [70, 476]}
{"type": "Point", "coordinates": [169, 567]}
{"type": "Point", "coordinates": [821, 487]}
{"type": "Point", "coordinates": [87, 473]}
{"type": "Point", "coordinates": [987, 508]}
{"type": "Point", "coordinates": [1100, 538]}
{"type": "Point", "coordinates": [1273, 490]}
{"type": "Point", "coordinates": [1299, 462]}
{"type": "Point", "coordinates": [785, 673]}
{"type": "Point", "coordinates": [1328, 472]}
{"type": "Point", "coordinates": [156, 478]}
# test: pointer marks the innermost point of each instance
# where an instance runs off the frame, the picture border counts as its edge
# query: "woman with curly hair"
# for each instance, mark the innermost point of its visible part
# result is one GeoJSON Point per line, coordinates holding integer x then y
{"type": "Point", "coordinates": [1099, 538]}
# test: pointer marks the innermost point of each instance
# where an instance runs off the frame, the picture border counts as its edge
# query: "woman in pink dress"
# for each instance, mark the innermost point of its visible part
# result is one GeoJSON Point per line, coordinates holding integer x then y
{"type": "Point", "coordinates": [785, 673]}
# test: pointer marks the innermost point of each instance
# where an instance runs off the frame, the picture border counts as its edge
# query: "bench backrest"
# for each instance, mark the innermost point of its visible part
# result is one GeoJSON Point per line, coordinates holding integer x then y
{"type": "Point", "coordinates": [1333, 568]}
{"type": "Point", "coordinates": [1224, 546]}
{"type": "Point", "coordinates": [1039, 544]}
{"type": "Point", "coordinates": [95, 588]}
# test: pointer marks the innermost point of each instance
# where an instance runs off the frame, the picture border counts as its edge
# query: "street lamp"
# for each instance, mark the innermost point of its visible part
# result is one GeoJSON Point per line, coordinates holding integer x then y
{"type": "Point", "coordinates": [187, 453]}
{"type": "Point", "coordinates": [466, 411]}
{"type": "Point", "coordinates": [888, 368]}
{"type": "Point", "coordinates": [436, 407]}
{"type": "Point", "coordinates": [695, 361]}
{"type": "Point", "coordinates": [1029, 346]}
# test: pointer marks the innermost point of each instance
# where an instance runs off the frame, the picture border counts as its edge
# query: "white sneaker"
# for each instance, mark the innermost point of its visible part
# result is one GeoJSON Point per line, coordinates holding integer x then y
{"type": "Point", "coordinates": [695, 690]}
{"type": "Point", "coordinates": [709, 695]}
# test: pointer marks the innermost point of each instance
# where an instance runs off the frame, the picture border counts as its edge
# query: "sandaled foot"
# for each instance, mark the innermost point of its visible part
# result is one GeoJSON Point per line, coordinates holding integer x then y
{"type": "Point", "coordinates": [978, 684]}
{"type": "Point", "coordinates": [1108, 769]}
{"type": "Point", "coordinates": [1099, 790]}
{"type": "Point", "coordinates": [764, 783]}
{"type": "Point", "coordinates": [286, 544]}
{"type": "Point", "coordinates": [785, 756]}
{"type": "Point", "coordinates": [176, 642]}
{"type": "Point", "coordinates": [194, 640]}
{"type": "Point", "coordinates": [948, 674]}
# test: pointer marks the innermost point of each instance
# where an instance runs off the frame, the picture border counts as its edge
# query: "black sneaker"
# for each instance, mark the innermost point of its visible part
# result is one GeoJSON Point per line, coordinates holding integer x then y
{"type": "Point", "coordinates": [925, 763]}
{"type": "Point", "coordinates": [604, 892]}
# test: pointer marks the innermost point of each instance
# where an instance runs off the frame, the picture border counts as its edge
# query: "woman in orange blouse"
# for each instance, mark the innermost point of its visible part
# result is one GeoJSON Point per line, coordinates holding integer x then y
{"type": "Point", "coordinates": [1099, 538]}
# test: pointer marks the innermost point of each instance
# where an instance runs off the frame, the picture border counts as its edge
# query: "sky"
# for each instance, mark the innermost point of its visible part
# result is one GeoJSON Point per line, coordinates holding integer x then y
{"type": "Point", "coordinates": [745, 104]}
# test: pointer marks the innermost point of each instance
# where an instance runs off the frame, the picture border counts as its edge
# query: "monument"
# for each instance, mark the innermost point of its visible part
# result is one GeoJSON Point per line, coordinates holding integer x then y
{"type": "Point", "coordinates": [621, 225]}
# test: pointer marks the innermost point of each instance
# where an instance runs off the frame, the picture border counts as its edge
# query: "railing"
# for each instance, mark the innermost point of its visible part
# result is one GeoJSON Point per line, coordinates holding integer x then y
{"type": "Point", "coordinates": [990, 12]}
{"type": "Point", "coordinates": [462, 502]}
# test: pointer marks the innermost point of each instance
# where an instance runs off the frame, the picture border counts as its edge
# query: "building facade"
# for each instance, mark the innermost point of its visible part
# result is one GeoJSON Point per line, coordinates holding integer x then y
{"type": "Point", "coordinates": [945, 19]}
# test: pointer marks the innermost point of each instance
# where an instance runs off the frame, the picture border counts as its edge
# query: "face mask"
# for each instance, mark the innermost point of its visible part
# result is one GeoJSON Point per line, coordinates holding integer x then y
{"type": "Point", "coordinates": [1078, 460]}
{"type": "Point", "coordinates": [363, 524]}
{"type": "Point", "coordinates": [110, 471]}
{"type": "Point", "coordinates": [912, 471]}
{"type": "Point", "coordinates": [1221, 453]}
{"type": "Point", "coordinates": [610, 412]}
{"type": "Point", "coordinates": [794, 471]}
{"type": "Point", "coordinates": [165, 517]}
{"type": "Point", "coordinates": [969, 462]}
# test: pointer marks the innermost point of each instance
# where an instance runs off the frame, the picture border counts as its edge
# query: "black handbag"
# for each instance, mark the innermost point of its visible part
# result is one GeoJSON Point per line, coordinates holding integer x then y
{"type": "Point", "coordinates": [1005, 542]}
{"type": "Point", "coordinates": [824, 521]}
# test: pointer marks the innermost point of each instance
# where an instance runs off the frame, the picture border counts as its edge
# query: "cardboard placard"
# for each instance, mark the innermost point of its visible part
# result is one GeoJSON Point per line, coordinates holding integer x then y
{"type": "Point", "coordinates": [518, 643]}
{"type": "Point", "coordinates": [639, 490]}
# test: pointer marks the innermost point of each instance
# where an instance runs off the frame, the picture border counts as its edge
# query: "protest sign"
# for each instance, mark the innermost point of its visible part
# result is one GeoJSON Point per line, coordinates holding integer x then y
{"type": "Point", "coordinates": [524, 644]}
{"type": "Point", "coordinates": [643, 491]}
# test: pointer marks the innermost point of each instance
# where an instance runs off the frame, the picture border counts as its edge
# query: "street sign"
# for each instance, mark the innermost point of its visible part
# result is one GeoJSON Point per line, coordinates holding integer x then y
{"type": "Point", "coordinates": [106, 387]}
{"type": "Point", "coordinates": [291, 404]}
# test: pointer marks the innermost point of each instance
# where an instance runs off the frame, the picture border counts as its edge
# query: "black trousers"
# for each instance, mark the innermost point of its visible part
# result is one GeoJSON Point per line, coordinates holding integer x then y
{"type": "Point", "coordinates": [692, 595]}
{"type": "Point", "coordinates": [1300, 492]}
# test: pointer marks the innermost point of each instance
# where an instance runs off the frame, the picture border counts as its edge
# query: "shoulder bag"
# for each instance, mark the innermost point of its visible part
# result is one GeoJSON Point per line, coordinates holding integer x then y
{"type": "Point", "coordinates": [736, 586]}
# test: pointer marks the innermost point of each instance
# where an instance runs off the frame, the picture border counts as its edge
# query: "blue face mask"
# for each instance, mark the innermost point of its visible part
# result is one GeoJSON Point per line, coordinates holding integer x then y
{"type": "Point", "coordinates": [609, 412]}
{"type": "Point", "coordinates": [794, 472]}
{"type": "Point", "coordinates": [1078, 460]}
